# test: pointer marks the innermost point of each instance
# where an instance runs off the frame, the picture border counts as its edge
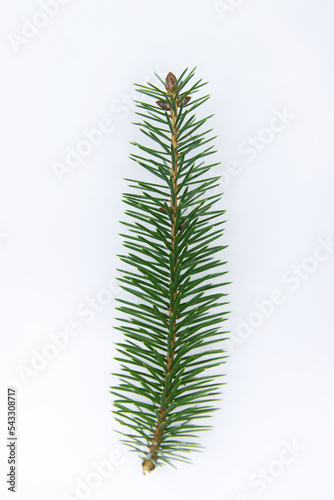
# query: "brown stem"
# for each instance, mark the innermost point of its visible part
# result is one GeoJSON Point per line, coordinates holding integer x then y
{"type": "Point", "coordinates": [148, 464]}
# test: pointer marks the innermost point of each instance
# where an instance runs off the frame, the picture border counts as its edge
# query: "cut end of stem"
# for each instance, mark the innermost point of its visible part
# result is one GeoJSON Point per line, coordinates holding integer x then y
{"type": "Point", "coordinates": [148, 466]}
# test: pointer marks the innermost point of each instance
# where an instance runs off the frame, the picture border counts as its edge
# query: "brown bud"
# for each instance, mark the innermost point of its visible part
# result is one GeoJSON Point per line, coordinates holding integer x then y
{"type": "Point", "coordinates": [163, 105]}
{"type": "Point", "coordinates": [170, 81]}
{"type": "Point", "coordinates": [184, 100]}
{"type": "Point", "coordinates": [163, 209]}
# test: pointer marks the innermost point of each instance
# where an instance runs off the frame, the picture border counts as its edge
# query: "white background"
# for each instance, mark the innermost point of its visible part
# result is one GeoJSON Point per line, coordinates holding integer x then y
{"type": "Point", "coordinates": [59, 239]}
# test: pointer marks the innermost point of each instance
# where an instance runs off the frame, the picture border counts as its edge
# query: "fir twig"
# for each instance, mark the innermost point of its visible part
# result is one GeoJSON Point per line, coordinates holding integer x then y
{"type": "Point", "coordinates": [170, 333]}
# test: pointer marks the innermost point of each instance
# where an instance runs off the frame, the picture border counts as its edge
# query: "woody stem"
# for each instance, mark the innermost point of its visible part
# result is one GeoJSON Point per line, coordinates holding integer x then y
{"type": "Point", "coordinates": [159, 429]}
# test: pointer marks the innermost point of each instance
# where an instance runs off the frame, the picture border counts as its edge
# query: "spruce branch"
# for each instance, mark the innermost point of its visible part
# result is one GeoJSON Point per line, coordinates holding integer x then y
{"type": "Point", "coordinates": [169, 334]}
